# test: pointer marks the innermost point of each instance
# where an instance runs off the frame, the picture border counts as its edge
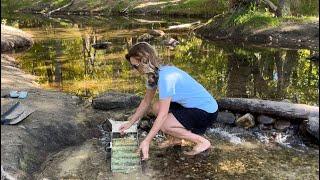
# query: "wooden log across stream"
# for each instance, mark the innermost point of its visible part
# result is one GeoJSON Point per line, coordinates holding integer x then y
{"type": "Point", "coordinates": [276, 109]}
{"type": "Point", "coordinates": [272, 108]}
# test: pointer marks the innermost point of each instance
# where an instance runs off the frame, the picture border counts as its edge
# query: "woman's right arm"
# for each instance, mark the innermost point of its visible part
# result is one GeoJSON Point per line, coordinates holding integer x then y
{"type": "Point", "coordinates": [144, 105]}
{"type": "Point", "coordinates": [142, 108]}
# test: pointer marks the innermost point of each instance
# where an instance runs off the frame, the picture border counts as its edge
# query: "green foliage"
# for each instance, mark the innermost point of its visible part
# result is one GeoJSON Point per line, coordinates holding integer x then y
{"type": "Point", "coordinates": [251, 18]}
{"type": "Point", "coordinates": [196, 7]}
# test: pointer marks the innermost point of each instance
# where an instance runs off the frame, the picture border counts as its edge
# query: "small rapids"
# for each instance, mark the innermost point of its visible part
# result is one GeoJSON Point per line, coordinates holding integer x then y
{"type": "Point", "coordinates": [232, 138]}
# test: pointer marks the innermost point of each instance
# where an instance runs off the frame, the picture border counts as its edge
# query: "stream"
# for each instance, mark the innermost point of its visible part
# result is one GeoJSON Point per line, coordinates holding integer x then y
{"type": "Point", "coordinates": [63, 58]}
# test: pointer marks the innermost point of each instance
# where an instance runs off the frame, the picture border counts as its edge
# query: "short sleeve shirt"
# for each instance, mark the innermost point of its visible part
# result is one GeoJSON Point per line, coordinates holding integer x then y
{"type": "Point", "coordinates": [183, 89]}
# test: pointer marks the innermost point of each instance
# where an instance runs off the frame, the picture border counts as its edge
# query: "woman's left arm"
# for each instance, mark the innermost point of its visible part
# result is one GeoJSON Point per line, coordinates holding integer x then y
{"type": "Point", "coordinates": [161, 117]}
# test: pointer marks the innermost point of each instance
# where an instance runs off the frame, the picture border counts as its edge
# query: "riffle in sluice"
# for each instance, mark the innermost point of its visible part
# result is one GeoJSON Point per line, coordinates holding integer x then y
{"type": "Point", "coordinates": [124, 156]}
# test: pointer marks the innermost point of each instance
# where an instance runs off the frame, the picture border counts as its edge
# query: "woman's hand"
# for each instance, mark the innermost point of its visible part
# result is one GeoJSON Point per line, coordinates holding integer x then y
{"type": "Point", "coordinates": [124, 127]}
{"type": "Point", "coordinates": [144, 148]}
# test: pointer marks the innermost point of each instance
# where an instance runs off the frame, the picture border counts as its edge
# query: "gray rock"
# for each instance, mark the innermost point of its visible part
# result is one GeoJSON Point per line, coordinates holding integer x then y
{"type": "Point", "coordinates": [262, 119]}
{"type": "Point", "coordinates": [282, 124]}
{"type": "Point", "coordinates": [109, 101]}
{"type": "Point", "coordinates": [246, 121]}
{"type": "Point", "coordinates": [226, 118]}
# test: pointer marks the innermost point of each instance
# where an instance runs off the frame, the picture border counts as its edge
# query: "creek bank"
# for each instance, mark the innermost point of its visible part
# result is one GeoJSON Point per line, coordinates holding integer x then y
{"type": "Point", "coordinates": [287, 35]}
{"type": "Point", "coordinates": [14, 40]}
{"type": "Point", "coordinates": [203, 8]}
{"type": "Point", "coordinates": [60, 120]}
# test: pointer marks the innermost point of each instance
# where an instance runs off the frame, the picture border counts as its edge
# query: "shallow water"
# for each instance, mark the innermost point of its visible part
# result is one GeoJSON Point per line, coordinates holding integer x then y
{"type": "Point", "coordinates": [225, 69]}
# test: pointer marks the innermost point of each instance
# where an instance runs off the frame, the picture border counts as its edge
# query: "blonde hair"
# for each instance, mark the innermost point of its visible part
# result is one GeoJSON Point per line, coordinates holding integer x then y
{"type": "Point", "coordinates": [144, 52]}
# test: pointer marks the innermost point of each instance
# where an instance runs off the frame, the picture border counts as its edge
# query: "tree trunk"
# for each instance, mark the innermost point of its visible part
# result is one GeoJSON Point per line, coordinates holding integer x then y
{"type": "Point", "coordinates": [283, 9]}
{"type": "Point", "coordinates": [272, 108]}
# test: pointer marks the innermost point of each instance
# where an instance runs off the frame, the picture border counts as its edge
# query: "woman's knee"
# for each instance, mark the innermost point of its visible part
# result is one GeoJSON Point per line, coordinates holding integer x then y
{"type": "Point", "coordinates": [170, 124]}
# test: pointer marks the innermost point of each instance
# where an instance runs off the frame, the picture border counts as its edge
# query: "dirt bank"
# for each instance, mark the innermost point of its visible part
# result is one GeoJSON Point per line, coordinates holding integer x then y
{"type": "Point", "coordinates": [287, 35]}
{"type": "Point", "coordinates": [60, 120]}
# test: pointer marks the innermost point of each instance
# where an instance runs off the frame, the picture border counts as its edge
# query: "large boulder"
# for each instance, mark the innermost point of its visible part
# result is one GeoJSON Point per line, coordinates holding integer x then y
{"type": "Point", "coordinates": [110, 101]}
{"type": "Point", "coordinates": [13, 39]}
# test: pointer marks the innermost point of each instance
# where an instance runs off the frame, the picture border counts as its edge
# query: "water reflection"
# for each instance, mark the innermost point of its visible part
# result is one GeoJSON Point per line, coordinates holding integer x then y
{"type": "Point", "coordinates": [63, 58]}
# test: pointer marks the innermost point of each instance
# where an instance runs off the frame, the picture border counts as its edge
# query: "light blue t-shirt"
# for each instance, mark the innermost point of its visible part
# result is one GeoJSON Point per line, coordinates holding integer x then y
{"type": "Point", "coordinates": [183, 89]}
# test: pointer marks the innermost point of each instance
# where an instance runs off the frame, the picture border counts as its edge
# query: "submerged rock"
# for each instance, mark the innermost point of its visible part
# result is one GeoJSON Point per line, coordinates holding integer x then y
{"type": "Point", "coordinates": [101, 45]}
{"type": "Point", "coordinates": [262, 119]}
{"type": "Point", "coordinates": [246, 121]}
{"type": "Point", "coordinates": [226, 118]}
{"type": "Point", "coordinates": [282, 124]}
{"type": "Point", "coordinates": [170, 42]}
{"type": "Point", "coordinates": [155, 32]}
{"type": "Point", "coordinates": [145, 37]}
{"type": "Point", "coordinates": [110, 101]}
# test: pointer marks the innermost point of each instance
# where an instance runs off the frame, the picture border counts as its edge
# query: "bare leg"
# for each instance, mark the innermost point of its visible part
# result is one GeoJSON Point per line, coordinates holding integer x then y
{"type": "Point", "coordinates": [174, 128]}
{"type": "Point", "coordinates": [171, 140]}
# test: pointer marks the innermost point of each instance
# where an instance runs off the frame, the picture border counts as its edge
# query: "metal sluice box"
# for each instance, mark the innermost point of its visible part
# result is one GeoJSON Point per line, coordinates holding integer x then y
{"type": "Point", "coordinates": [124, 158]}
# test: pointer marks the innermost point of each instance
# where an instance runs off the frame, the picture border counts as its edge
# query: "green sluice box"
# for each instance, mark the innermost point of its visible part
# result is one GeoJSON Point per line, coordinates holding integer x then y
{"type": "Point", "coordinates": [126, 161]}
{"type": "Point", "coordinates": [126, 142]}
{"type": "Point", "coordinates": [124, 158]}
{"type": "Point", "coordinates": [124, 154]}
{"type": "Point", "coordinates": [124, 148]}
{"type": "Point", "coordinates": [125, 169]}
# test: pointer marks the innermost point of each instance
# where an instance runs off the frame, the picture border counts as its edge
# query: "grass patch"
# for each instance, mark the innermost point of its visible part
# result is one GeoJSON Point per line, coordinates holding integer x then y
{"type": "Point", "coordinates": [252, 19]}
{"type": "Point", "coordinates": [300, 19]}
{"type": "Point", "coordinates": [196, 7]}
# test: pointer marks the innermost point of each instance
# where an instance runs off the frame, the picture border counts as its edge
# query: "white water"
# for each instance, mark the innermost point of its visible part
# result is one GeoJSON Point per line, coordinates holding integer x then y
{"type": "Point", "coordinates": [226, 135]}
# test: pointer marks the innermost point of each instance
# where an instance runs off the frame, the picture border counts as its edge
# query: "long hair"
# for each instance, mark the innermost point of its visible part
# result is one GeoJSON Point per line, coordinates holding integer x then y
{"type": "Point", "coordinates": [147, 55]}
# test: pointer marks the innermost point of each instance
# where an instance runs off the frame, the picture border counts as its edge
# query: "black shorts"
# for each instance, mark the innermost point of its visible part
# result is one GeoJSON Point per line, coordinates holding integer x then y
{"type": "Point", "coordinates": [193, 119]}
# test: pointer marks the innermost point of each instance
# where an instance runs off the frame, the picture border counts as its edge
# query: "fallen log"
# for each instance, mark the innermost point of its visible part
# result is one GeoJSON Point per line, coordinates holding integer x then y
{"type": "Point", "coordinates": [59, 9]}
{"type": "Point", "coordinates": [183, 27]}
{"type": "Point", "coordinates": [266, 107]}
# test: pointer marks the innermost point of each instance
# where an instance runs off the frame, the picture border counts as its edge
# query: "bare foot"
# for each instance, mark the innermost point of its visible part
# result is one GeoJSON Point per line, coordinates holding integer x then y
{"type": "Point", "coordinates": [168, 143]}
{"type": "Point", "coordinates": [199, 148]}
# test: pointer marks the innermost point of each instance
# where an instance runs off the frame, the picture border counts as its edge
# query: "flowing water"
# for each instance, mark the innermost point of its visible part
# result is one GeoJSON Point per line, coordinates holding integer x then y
{"type": "Point", "coordinates": [63, 59]}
